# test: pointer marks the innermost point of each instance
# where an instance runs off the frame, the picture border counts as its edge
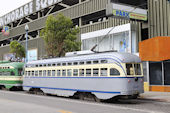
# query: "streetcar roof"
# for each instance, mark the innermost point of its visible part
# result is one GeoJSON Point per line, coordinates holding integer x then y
{"type": "Point", "coordinates": [13, 64]}
{"type": "Point", "coordinates": [112, 56]}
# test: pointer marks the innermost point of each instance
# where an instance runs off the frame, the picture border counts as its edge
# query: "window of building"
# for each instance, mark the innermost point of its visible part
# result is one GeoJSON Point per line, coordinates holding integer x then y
{"type": "Point", "coordinates": [53, 64]}
{"type": "Point", "coordinates": [95, 72]}
{"type": "Point", "coordinates": [88, 72]}
{"type": "Point", "coordinates": [44, 73]}
{"type": "Point", "coordinates": [53, 72]}
{"type": "Point", "coordinates": [69, 72]}
{"type": "Point", "coordinates": [64, 72]}
{"type": "Point", "coordinates": [137, 69]}
{"type": "Point", "coordinates": [103, 72]}
{"type": "Point", "coordinates": [75, 72]}
{"type": "Point", "coordinates": [81, 72]}
{"type": "Point", "coordinates": [58, 73]}
{"type": "Point", "coordinates": [114, 72]}
{"type": "Point", "coordinates": [155, 73]}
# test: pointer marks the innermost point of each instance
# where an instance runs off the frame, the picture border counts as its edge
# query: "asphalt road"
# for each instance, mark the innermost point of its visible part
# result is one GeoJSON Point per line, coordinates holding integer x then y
{"type": "Point", "coordinates": [20, 102]}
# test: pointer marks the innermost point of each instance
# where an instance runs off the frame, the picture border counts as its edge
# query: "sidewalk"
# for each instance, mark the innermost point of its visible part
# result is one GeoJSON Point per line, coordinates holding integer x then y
{"type": "Point", "coordinates": [160, 96]}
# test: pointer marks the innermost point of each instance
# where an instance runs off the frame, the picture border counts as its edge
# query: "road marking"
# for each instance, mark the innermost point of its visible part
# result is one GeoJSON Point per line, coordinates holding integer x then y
{"type": "Point", "coordinates": [63, 111]}
{"type": "Point", "coordinates": [84, 102]}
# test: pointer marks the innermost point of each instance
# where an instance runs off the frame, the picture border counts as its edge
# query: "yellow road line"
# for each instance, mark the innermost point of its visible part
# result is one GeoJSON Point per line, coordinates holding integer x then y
{"type": "Point", "coordinates": [63, 111]}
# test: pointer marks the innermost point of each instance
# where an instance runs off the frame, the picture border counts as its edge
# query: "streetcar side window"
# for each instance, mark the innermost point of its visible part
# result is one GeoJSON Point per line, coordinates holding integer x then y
{"type": "Point", "coordinates": [81, 72]}
{"type": "Point", "coordinates": [137, 69]}
{"type": "Point", "coordinates": [114, 72]}
{"type": "Point", "coordinates": [75, 72]}
{"type": "Point", "coordinates": [88, 72]}
{"type": "Point", "coordinates": [95, 72]}
{"type": "Point", "coordinates": [69, 64]}
{"type": "Point", "coordinates": [59, 64]}
{"type": "Point", "coordinates": [29, 73]}
{"type": "Point", "coordinates": [49, 72]}
{"type": "Point", "coordinates": [95, 62]}
{"type": "Point", "coordinates": [69, 72]}
{"type": "Point", "coordinates": [25, 74]}
{"type": "Point", "coordinates": [20, 71]}
{"type": "Point", "coordinates": [64, 64]}
{"type": "Point", "coordinates": [88, 62]}
{"type": "Point", "coordinates": [58, 73]}
{"type": "Point", "coordinates": [103, 72]}
{"type": "Point", "coordinates": [64, 72]}
{"type": "Point", "coordinates": [44, 73]}
{"type": "Point", "coordinates": [103, 61]}
{"type": "Point", "coordinates": [81, 63]}
{"type": "Point", "coordinates": [53, 72]}
{"type": "Point", "coordinates": [40, 73]}
{"type": "Point", "coordinates": [36, 73]}
{"type": "Point", "coordinates": [129, 69]}
{"type": "Point", "coordinates": [32, 73]}
{"type": "Point", "coordinates": [75, 63]}
{"type": "Point", "coordinates": [13, 74]}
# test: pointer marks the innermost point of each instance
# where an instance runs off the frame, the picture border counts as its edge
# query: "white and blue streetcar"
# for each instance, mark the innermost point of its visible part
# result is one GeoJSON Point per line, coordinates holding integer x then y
{"type": "Point", "coordinates": [104, 75]}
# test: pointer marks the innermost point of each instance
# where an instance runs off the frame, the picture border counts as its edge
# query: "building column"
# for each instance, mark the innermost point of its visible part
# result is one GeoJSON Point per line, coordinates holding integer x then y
{"type": "Point", "coordinates": [80, 22]}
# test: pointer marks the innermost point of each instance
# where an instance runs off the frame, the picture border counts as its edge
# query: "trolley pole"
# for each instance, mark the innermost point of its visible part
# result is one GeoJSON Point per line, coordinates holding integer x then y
{"type": "Point", "coordinates": [26, 43]}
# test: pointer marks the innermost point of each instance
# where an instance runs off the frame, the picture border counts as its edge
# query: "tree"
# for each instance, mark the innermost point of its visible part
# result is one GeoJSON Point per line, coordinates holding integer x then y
{"type": "Point", "coordinates": [60, 36]}
{"type": "Point", "coordinates": [17, 49]}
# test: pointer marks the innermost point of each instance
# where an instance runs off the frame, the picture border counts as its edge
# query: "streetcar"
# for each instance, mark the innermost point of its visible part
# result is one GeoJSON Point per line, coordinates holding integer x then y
{"type": "Point", "coordinates": [11, 75]}
{"type": "Point", "coordinates": [102, 76]}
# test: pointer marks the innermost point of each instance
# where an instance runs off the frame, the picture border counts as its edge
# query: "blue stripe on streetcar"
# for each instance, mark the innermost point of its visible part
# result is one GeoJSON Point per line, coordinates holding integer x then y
{"type": "Point", "coordinates": [85, 77]}
{"type": "Point", "coordinates": [110, 92]}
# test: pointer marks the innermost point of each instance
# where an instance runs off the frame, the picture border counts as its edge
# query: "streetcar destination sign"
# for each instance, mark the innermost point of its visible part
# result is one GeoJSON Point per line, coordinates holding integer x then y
{"type": "Point", "coordinates": [25, 10]}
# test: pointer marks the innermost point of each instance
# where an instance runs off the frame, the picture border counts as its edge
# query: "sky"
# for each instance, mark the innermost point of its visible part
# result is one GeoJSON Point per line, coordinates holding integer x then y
{"type": "Point", "coordinates": [9, 5]}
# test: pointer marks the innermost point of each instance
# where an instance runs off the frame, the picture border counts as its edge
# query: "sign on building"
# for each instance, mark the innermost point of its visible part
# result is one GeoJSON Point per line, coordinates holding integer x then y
{"type": "Point", "coordinates": [125, 11]}
{"type": "Point", "coordinates": [25, 10]}
{"type": "Point", "coordinates": [5, 31]}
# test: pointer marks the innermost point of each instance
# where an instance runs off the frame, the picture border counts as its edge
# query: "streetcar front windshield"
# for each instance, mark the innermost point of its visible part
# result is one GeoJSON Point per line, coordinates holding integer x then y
{"type": "Point", "coordinates": [133, 69]}
{"type": "Point", "coordinates": [129, 69]}
{"type": "Point", "coordinates": [137, 69]}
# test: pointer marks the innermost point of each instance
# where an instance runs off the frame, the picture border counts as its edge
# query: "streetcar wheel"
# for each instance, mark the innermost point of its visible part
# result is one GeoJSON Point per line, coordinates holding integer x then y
{"type": "Point", "coordinates": [81, 96]}
{"type": "Point", "coordinates": [97, 99]}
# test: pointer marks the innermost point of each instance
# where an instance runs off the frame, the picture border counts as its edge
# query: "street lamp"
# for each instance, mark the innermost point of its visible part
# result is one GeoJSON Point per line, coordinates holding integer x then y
{"type": "Point", "coordinates": [26, 43]}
